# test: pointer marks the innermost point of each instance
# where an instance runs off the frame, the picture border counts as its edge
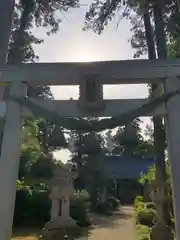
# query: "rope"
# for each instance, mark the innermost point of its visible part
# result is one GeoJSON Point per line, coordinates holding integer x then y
{"type": "Point", "coordinates": [93, 125]}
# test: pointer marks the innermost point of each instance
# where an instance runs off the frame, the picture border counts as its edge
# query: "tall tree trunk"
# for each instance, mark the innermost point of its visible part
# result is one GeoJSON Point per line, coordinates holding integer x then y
{"type": "Point", "coordinates": [162, 54]}
{"type": "Point", "coordinates": [159, 134]}
{"type": "Point", "coordinates": [159, 30]}
{"type": "Point", "coordinates": [16, 53]}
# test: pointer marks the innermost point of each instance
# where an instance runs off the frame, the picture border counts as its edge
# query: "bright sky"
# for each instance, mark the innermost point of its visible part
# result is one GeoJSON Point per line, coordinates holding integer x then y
{"type": "Point", "coordinates": [72, 44]}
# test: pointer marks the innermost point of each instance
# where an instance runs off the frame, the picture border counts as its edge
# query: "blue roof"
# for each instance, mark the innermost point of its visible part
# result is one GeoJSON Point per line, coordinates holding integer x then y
{"type": "Point", "coordinates": [125, 167]}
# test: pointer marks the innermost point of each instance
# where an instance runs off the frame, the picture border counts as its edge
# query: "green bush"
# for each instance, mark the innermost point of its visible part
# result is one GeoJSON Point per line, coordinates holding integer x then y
{"type": "Point", "coordinates": [143, 232]}
{"type": "Point", "coordinates": [79, 208]}
{"type": "Point", "coordinates": [138, 200]}
{"type": "Point", "coordinates": [104, 208]}
{"type": "Point", "coordinates": [115, 202]}
{"type": "Point", "coordinates": [32, 207]}
{"type": "Point", "coordinates": [146, 217]}
{"type": "Point", "coordinates": [139, 205]}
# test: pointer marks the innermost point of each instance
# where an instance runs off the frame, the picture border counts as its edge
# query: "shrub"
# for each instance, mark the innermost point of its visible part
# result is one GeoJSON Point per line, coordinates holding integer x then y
{"type": "Point", "coordinates": [104, 208]}
{"type": "Point", "coordinates": [115, 202]}
{"type": "Point", "coordinates": [144, 238]}
{"type": "Point", "coordinates": [146, 217]}
{"type": "Point", "coordinates": [139, 205]}
{"type": "Point", "coordinates": [138, 200]}
{"type": "Point", "coordinates": [143, 232]}
{"type": "Point", "coordinates": [80, 207]}
{"type": "Point", "coordinates": [32, 207]}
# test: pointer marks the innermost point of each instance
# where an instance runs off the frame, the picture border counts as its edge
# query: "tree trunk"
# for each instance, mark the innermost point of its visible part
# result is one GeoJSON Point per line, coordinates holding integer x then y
{"type": "Point", "coordinates": [16, 54]}
{"type": "Point", "coordinates": [159, 134]}
{"type": "Point", "coordinates": [162, 54]}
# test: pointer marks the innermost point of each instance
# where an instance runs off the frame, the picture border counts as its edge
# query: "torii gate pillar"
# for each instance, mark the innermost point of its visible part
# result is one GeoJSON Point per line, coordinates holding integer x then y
{"type": "Point", "coordinates": [9, 161]}
{"type": "Point", "coordinates": [173, 138]}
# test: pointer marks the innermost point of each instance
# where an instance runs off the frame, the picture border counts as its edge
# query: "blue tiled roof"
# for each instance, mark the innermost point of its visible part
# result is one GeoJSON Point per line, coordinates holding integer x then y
{"type": "Point", "coordinates": [124, 167]}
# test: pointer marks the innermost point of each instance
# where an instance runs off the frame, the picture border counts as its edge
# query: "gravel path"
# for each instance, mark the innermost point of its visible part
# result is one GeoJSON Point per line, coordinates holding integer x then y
{"type": "Point", "coordinates": [118, 227]}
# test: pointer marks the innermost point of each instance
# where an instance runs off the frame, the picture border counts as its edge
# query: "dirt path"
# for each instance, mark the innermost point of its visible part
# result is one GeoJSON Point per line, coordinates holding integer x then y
{"type": "Point", "coordinates": [119, 226]}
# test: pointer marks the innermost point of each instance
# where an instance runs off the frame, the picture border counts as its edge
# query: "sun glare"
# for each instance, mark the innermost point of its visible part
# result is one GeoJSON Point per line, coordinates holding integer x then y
{"type": "Point", "coordinates": [86, 58]}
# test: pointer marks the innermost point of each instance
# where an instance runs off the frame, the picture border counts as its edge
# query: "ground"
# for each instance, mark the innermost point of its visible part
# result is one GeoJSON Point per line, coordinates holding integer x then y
{"type": "Point", "coordinates": [25, 234]}
{"type": "Point", "coordinates": [119, 226]}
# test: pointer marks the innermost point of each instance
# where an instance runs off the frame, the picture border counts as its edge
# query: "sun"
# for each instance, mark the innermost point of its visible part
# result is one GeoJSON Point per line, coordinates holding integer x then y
{"type": "Point", "coordinates": [86, 58]}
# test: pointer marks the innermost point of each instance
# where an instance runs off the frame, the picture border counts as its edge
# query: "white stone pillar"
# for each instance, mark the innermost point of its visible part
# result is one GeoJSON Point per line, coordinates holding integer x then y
{"type": "Point", "coordinates": [65, 207]}
{"type": "Point", "coordinates": [9, 161]}
{"type": "Point", "coordinates": [173, 135]}
{"type": "Point", "coordinates": [54, 209]}
{"type": "Point", "coordinates": [54, 203]}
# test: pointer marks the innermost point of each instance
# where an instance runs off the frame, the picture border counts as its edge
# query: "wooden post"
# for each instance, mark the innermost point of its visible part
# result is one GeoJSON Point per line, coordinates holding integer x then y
{"type": "Point", "coordinates": [9, 161]}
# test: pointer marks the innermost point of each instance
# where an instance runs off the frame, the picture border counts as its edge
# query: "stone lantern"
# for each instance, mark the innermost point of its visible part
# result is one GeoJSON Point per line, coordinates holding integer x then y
{"type": "Point", "coordinates": [61, 190]}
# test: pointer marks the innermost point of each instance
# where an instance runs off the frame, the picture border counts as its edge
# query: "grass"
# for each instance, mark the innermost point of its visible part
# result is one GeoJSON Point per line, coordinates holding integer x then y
{"type": "Point", "coordinates": [25, 234]}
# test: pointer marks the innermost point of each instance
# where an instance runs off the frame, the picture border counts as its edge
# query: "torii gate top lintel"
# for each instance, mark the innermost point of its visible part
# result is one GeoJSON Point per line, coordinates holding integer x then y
{"type": "Point", "coordinates": [108, 72]}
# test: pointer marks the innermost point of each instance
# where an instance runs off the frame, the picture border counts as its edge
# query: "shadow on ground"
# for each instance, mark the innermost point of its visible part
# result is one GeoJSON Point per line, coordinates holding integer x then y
{"type": "Point", "coordinates": [26, 232]}
{"type": "Point", "coordinates": [33, 234]}
{"type": "Point", "coordinates": [112, 221]}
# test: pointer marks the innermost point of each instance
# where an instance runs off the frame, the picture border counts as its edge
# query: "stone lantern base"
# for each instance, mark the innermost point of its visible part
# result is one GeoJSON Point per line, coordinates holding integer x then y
{"type": "Point", "coordinates": [57, 229]}
{"type": "Point", "coordinates": [61, 222]}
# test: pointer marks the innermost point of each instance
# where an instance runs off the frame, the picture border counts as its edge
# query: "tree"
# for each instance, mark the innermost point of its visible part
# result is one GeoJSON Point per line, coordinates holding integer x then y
{"type": "Point", "coordinates": [43, 13]}
{"type": "Point", "coordinates": [129, 140]}
{"type": "Point", "coordinates": [34, 154]}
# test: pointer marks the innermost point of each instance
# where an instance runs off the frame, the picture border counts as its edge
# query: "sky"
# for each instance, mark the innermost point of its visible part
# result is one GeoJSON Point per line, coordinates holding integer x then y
{"type": "Point", "coordinates": [73, 44]}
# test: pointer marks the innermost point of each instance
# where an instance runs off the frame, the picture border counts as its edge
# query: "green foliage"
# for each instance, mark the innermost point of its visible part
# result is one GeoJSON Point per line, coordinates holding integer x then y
{"type": "Point", "coordinates": [143, 232]}
{"type": "Point", "coordinates": [150, 176]}
{"type": "Point", "coordinates": [32, 207]}
{"type": "Point", "coordinates": [114, 201]}
{"type": "Point", "coordinates": [129, 140]}
{"type": "Point", "coordinates": [146, 217]}
{"type": "Point", "coordinates": [80, 203]}
{"type": "Point", "coordinates": [105, 208]}
{"type": "Point", "coordinates": [138, 204]}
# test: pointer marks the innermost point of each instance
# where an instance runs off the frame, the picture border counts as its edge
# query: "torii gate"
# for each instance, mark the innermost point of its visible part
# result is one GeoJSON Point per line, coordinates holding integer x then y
{"type": "Point", "coordinates": [90, 76]}
{"type": "Point", "coordinates": [87, 75]}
